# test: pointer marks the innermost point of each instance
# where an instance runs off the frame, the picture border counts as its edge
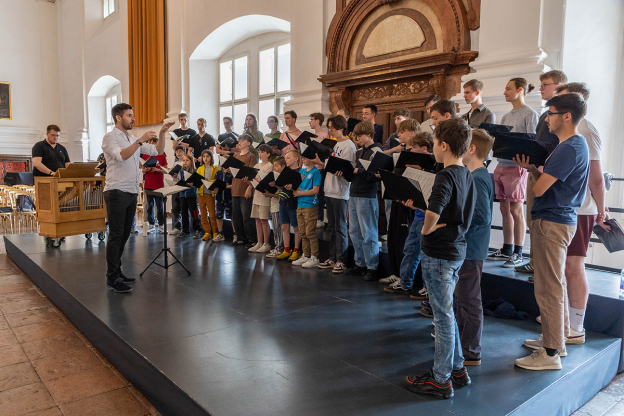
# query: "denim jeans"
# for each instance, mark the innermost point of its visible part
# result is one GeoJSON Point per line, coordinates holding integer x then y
{"type": "Point", "coordinates": [411, 254]}
{"type": "Point", "coordinates": [155, 203]}
{"type": "Point", "coordinates": [120, 210]}
{"type": "Point", "coordinates": [363, 230]}
{"type": "Point", "coordinates": [337, 226]}
{"type": "Point", "coordinates": [441, 277]}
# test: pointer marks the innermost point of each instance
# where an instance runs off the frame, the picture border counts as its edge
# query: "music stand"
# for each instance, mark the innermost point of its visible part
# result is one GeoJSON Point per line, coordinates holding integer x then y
{"type": "Point", "coordinates": [165, 249]}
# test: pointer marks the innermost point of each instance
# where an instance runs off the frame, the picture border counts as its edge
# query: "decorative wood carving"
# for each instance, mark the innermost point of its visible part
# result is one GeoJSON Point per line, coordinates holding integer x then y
{"type": "Point", "coordinates": [14, 163]}
{"type": "Point", "coordinates": [399, 78]}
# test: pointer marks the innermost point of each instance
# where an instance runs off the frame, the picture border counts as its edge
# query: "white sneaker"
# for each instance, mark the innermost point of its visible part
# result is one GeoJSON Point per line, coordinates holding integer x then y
{"type": "Point", "coordinates": [539, 360]}
{"type": "Point", "coordinates": [313, 262]}
{"type": "Point", "coordinates": [390, 280]}
{"type": "Point", "coordinates": [300, 261]}
{"type": "Point", "coordinates": [161, 230]}
{"type": "Point", "coordinates": [536, 344]}
{"type": "Point", "coordinates": [264, 248]}
{"type": "Point", "coordinates": [575, 338]}
{"type": "Point", "coordinates": [234, 239]}
{"type": "Point", "coordinates": [273, 253]}
{"type": "Point", "coordinates": [152, 229]}
{"type": "Point", "coordinates": [255, 248]}
{"type": "Point", "coordinates": [320, 224]}
{"type": "Point", "coordinates": [175, 232]}
{"type": "Point", "coordinates": [218, 238]}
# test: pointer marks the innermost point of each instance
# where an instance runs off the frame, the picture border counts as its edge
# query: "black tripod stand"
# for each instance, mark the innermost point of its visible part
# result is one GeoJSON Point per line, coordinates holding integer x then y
{"type": "Point", "coordinates": [165, 250]}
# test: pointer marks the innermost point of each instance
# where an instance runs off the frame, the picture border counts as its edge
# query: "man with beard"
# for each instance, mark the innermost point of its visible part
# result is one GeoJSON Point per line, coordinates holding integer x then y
{"type": "Point", "coordinates": [49, 155]}
{"type": "Point", "coordinates": [122, 151]}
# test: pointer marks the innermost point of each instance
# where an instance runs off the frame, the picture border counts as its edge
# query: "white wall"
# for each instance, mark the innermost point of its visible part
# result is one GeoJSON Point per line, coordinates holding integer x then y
{"type": "Point", "coordinates": [593, 52]}
{"type": "Point", "coordinates": [29, 61]}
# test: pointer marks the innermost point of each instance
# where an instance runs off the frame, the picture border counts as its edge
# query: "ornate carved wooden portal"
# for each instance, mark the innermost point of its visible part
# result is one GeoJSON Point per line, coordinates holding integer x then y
{"type": "Point", "coordinates": [395, 53]}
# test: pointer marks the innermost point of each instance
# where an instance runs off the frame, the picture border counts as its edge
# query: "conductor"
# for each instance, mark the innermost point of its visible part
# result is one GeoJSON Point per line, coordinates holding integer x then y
{"type": "Point", "coordinates": [122, 151]}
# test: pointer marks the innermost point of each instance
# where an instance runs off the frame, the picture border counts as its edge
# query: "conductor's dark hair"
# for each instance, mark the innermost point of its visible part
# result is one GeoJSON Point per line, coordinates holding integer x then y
{"type": "Point", "coordinates": [569, 103]}
{"type": "Point", "coordinates": [119, 110]}
{"type": "Point", "coordinates": [443, 107]}
{"type": "Point", "coordinates": [456, 133]}
{"type": "Point", "coordinates": [372, 108]}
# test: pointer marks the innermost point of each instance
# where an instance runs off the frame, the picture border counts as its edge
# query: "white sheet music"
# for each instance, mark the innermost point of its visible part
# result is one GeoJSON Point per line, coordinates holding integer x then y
{"type": "Point", "coordinates": [395, 157]}
{"type": "Point", "coordinates": [365, 163]}
{"type": "Point", "coordinates": [173, 135]}
{"type": "Point", "coordinates": [302, 147]}
{"type": "Point", "coordinates": [206, 183]}
{"type": "Point", "coordinates": [234, 171]}
{"type": "Point", "coordinates": [424, 179]}
{"type": "Point", "coordinates": [170, 190]}
{"type": "Point", "coordinates": [169, 180]}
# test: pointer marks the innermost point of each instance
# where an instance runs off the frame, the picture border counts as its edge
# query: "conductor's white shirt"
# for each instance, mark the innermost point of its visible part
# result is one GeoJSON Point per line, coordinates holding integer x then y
{"type": "Point", "coordinates": [123, 175]}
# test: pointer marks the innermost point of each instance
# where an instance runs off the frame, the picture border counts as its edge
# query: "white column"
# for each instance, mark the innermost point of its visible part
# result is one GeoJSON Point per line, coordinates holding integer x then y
{"type": "Point", "coordinates": [308, 61]}
{"type": "Point", "coordinates": [175, 65]}
{"type": "Point", "coordinates": [509, 46]}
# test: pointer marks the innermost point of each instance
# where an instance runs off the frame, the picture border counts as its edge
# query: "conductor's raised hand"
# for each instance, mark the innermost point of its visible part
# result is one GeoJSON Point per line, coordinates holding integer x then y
{"type": "Point", "coordinates": [166, 126]}
{"type": "Point", "coordinates": [522, 161]}
{"type": "Point", "coordinates": [149, 135]}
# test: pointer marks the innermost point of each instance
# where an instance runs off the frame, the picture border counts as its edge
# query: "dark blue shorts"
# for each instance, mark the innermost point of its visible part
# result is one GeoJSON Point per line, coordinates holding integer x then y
{"type": "Point", "coordinates": [224, 209]}
{"type": "Point", "coordinates": [288, 215]}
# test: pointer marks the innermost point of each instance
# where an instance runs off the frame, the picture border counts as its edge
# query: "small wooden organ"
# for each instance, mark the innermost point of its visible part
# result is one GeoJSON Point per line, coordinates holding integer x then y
{"type": "Point", "coordinates": [71, 203]}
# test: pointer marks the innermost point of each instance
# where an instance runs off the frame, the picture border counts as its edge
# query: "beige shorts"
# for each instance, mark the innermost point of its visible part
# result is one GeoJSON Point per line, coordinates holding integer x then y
{"type": "Point", "coordinates": [262, 212]}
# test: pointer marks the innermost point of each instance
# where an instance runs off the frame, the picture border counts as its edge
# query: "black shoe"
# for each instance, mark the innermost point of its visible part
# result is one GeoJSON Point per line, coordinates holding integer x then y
{"type": "Point", "coordinates": [460, 377]}
{"type": "Point", "coordinates": [126, 279]}
{"type": "Point", "coordinates": [426, 312]}
{"type": "Point", "coordinates": [355, 271]}
{"type": "Point", "coordinates": [118, 285]}
{"type": "Point", "coordinates": [426, 304]}
{"type": "Point", "coordinates": [250, 244]}
{"type": "Point", "coordinates": [426, 384]}
{"type": "Point", "coordinates": [371, 276]}
{"type": "Point", "coordinates": [239, 243]}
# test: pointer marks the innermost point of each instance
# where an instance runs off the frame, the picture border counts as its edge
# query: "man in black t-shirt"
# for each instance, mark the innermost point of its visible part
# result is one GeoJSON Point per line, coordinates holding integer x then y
{"type": "Point", "coordinates": [49, 155]}
{"type": "Point", "coordinates": [184, 130]}
{"type": "Point", "coordinates": [201, 141]}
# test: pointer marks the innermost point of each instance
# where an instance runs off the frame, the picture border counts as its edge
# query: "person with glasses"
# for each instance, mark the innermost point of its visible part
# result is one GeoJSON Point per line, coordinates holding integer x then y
{"type": "Point", "coordinates": [549, 82]}
{"type": "Point", "coordinates": [510, 179]}
{"type": "Point", "coordinates": [369, 112]}
{"type": "Point", "coordinates": [559, 193]}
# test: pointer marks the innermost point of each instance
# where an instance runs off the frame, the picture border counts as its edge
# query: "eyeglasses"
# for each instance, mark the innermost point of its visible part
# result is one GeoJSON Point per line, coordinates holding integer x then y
{"type": "Point", "coordinates": [543, 86]}
{"type": "Point", "coordinates": [552, 113]}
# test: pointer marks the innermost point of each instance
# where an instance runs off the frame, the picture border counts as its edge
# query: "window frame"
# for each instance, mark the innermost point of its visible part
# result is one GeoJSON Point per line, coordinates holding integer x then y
{"type": "Point", "coordinates": [112, 93]}
{"type": "Point", "coordinates": [233, 102]}
{"type": "Point", "coordinates": [275, 95]}
{"type": "Point", "coordinates": [110, 3]}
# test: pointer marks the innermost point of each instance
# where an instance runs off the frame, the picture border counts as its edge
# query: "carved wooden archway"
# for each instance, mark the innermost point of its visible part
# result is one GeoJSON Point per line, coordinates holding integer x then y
{"type": "Point", "coordinates": [395, 53]}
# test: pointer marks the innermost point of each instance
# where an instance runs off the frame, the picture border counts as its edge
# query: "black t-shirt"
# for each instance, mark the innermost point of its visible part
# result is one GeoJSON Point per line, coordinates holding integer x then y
{"type": "Point", "coordinates": [179, 132]}
{"type": "Point", "coordinates": [365, 183]}
{"type": "Point", "coordinates": [52, 158]}
{"type": "Point", "coordinates": [453, 197]}
{"type": "Point", "coordinates": [199, 144]}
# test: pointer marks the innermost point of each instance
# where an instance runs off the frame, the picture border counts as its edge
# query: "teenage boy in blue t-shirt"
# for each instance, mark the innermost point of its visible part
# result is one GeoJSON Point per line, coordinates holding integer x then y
{"type": "Point", "coordinates": [449, 212]}
{"type": "Point", "coordinates": [468, 307]}
{"type": "Point", "coordinates": [559, 193]}
{"type": "Point", "coordinates": [307, 214]}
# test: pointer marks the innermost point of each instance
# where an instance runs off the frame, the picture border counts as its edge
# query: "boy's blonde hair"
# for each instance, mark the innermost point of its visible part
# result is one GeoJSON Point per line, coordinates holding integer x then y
{"type": "Point", "coordinates": [409, 125]}
{"type": "Point", "coordinates": [483, 142]}
{"type": "Point", "coordinates": [192, 168]}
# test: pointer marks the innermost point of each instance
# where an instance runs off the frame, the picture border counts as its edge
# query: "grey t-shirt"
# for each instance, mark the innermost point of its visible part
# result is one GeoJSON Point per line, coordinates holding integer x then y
{"type": "Point", "coordinates": [523, 120]}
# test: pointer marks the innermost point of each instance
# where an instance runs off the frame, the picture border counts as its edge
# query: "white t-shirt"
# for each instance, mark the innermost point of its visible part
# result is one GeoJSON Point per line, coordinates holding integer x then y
{"type": "Point", "coordinates": [523, 120]}
{"type": "Point", "coordinates": [258, 198]}
{"type": "Point", "coordinates": [336, 187]}
{"type": "Point", "coordinates": [587, 130]}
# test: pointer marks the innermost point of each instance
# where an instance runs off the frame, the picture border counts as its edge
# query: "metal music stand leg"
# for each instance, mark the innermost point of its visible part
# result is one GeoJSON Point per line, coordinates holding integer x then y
{"type": "Point", "coordinates": [165, 250]}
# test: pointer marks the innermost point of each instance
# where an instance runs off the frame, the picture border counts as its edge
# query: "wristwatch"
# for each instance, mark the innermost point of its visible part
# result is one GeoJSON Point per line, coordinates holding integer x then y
{"type": "Point", "coordinates": [139, 142]}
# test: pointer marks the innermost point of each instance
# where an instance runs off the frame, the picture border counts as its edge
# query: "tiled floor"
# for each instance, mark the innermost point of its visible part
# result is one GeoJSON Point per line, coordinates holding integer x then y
{"type": "Point", "coordinates": [47, 368]}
